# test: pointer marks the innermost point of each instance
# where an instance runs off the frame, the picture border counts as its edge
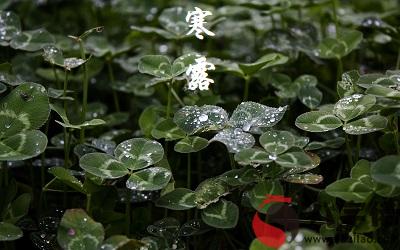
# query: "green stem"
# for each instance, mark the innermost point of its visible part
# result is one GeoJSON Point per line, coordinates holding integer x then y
{"type": "Point", "coordinates": [349, 152]}
{"type": "Point", "coordinates": [56, 76]}
{"type": "Point", "coordinates": [246, 88]}
{"type": "Point", "coordinates": [43, 157]}
{"type": "Point", "coordinates": [357, 156]}
{"type": "Point", "coordinates": [232, 160]}
{"type": "Point", "coordinates": [128, 212]}
{"type": "Point", "coordinates": [85, 90]}
{"type": "Point", "coordinates": [189, 172]}
{"type": "Point", "coordinates": [88, 203]}
{"type": "Point", "coordinates": [177, 98]}
{"type": "Point", "coordinates": [169, 101]}
{"type": "Point", "coordinates": [65, 89]}
{"type": "Point", "coordinates": [339, 71]}
{"type": "Point", "coordinates": [112, 80]}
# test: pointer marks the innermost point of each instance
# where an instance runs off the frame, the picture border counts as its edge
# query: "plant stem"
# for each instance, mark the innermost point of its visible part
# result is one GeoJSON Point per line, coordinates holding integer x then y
{"type": "Point", "coordinates": [56, 76]}
{"type": "Point", "coordinates": [43, 157]}
{"type": "Point", "coordinates": [128, 213]}
{"type": "Point", "coordinates": [88, 203]}
{"type": "Point", "coordinates": [177, 98]}
{"type": "Point", "coordinates": [65, 89]}
{"type": "Point", "coordinates": [112, 80]}
{"type": "Point", "coordinates": [169, 101]}
{"type": "Point", "coordinates": [339, 71]}
{"type": "Point", "coordinates": [84, 89]}
{"type": "Point", "coordinates": [232, 160]}
{"type": "Point", "coordinates": [349, 152]}
{"type": "Point", "coordinates": [246, 88]}
{"type": "Point", "coordinates": [189, 172]}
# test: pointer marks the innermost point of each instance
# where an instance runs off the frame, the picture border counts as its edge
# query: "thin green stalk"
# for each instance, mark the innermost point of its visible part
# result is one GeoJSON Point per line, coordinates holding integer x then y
{"type": "Point", "coordinates": [85, 90]}
{"type": "Point", "coordinates": [65, 89]}
{"type": "Point", "coordinates": [169, 101]}
{"type": "Point", "coordinates": [112, 80]}
{"type": "Point", "coordinates": [339, 71]}
{"type": "Point", "coordinates": [246, 88]}
{"type": "Point", "coordinates": [56, 76]}
{"type": "Point", "coordinates": [128, 211]}
{"type": "Point", "coordinates": [189, 172]}
{"type": "Point", "coordinates": [177, 98]}
{"type": "Point", "coordinates": [357, 156]}
{"type": "Point", "coordinates": [349, 152]}
{"type": "Point", "coordinates": [43, 157]}
{"type": "Point", "coordinates": [232, 160]}
{"type": "Point", "coordinates": [89, 203]}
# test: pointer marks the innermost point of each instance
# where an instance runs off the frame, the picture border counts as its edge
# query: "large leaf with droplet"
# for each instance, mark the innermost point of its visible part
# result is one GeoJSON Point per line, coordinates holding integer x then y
{"type": "Point", "coordinates": [353, 106]}
{"type": "Point", "coordinates": [239, 177]}
{"type": "Point", "coordinates": [386, 170]}
{"type": "Point", "coordinates": [138, 153]}
{"type": "Point", "coordinates": [310, 179]}
{"type": "Point", "coordinates": [120, 242]}
{"type": "Point", "coordinates": [194, 119]}
{"type": "Point", "coordinates": [191, 144]}
{"type": "Point", "coordinates": [299, 161]}
{"type": "Point", "coordinates": [155, 65]}
{"type": "Point", "coordinates": [310, 96]}
{"type": "Point", "coordinates": [102, 165]}
{"type": "Point", "coordinates": [32, 40]}
{"type": "Point", "coordinates": [264, 62]}
{"type": "Point", "coordinates": [260, 191]}
{"type": "Point", "coordinates": [347, 85]}
{"type": "Point", "coordinates": [25, 108]}
{"type": "Point", "coordinates": [65, 176]}
{"type": "Point", "coordinates": [318, 121]}
{"type": "Point", "coordinates": [209, 191]}
{"type": "Point", "coordinates": [223, 214]}
{"type": "Point", "coordinates": [383, 91]}
{"type": "Point", "coordinates": [251, 116]}
{"type": "Point", "coordinates": [349, 190]}
{"type": "Point", "coordinates": [9, 232]}
{"type": "Point", "coordinates": [234, 139]}
{"type": "Point", "coordinates": [178, 199]}
{"type": "Point", "coordinates": [149, 179]}
{"type": "Point", "coordinates": [345, 42]}
{"type": "Point", "coordinates": [77, 231]}
{"type": "Point", "coordinates": [173, 20]}
{"type": "Point", "coordinates": [22, 146]}
{"type": "Point", "coordinates": [277, 142]}
{"type": "Point", "coordinates": [168, 130]}
{"type": "Point", "coordinates": [10, 25]}
{"type": "Point", "coordinates": [366, 125]}
{"type": "Point", "coordinates": [252, 156]}
{"type": "Point", "coordinates": [67, 124]}
{"type": "Point", "coordinates": [180, 65]}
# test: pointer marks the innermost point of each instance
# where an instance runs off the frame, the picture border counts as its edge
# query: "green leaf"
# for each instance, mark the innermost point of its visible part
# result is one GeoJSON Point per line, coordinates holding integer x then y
{"type": "Point", "coordinates": [139, 153]}
{"type": "Point", "coordinates": [300, 161]}
{"type": "Point", "coordinates": [331, 143]}
{"type": "Point", "coordinates": [318, 121]}
{"type": "Point", "coordinates": [234, 139]}
{"type": "Point", "coordinates": [345, 42]}
{"type": "Point", "coordinates": [25, 108]}
{"type": "Point", "coordinates": [347, 86]}
{"type": "Point", "coordinates": [173, 20]}
{"type": "Point", "coordinates": [19, 208]}
{"type": "Point", "coordinates": [10, 26]}
{"type": "Point", "coordinates": [252, 156]}
{"type": "Point", "coordinates": [306, 81]}
{"type": "Point", "coordinates": [190, 144]}
{"type": "Point", "coordinates": [22, 146]}
{"type": "Point", "coordinates": [194, 119]}
{"type": "Point", "coordinates": [349, 190]}
{"type": "Point", "coordinates": [251, 116]}
{"type": "Point", "coordinates": [366, 125]}
{"type": "Point", "coordinates": [120, 242]}
{"type": "Point", "coordinates": [9, 232]}
{"type": "Point", "coordinates": [180, 65]}
{"type": "Point", "coordinates": [353, 106]}
{"type": "Point", "coordinates": [259, 193]}
{"type": "Point", "coordinates": [32, 40]}
{"type": "Point", "coordinates": [168, 130]}
{"type": "Point", "coordinates": [264, 62]}
{"type": "Point", "coordinates": [149, 118]}
{"type": "Point", "coordinates": [277, 142]}
{"type": "Point", "coordinates": [178, 199]}
{"type": "Point", "coordinates": [66, 123]}
{"type": "Point", "coordinates": [209, 191]}
{"type": "Point", "coordinates": [223, 214]}
{"type": "Point", "coordinates": [65, 176]}
{"type": "Point", "coordinates": [150, 179]}
{"type": "Point", "coordinates": [155, 65]}
{"type": "Point", "coordinates": [362, 171]}
{"type": "Point", "coordinates": [53, 55]}
{"type": "Point", "coordinates": [383, 91]}
{"type": "Point", "coordinates": [239, 177]}
{"type": "Point", "coordinates": [386, 170]}
{"type": "Point", "coordinates": [102, 165]}
{"type": "Point", "coordinates": [3, 88]}
{"type": "Point", "coordinates": [309, 179]}
{"type": "Point", "coordinates": [310, 96]}
{"type": "Point", "coordinates": [77, 231]}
